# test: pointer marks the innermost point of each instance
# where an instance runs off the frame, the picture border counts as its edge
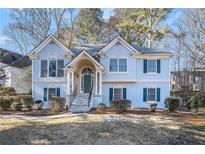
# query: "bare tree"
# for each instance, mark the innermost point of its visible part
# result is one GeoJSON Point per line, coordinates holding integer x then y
{"type": "Point", "coordinates": [30, 26]}
{"type": "Point", "coordinates": [58, 15]}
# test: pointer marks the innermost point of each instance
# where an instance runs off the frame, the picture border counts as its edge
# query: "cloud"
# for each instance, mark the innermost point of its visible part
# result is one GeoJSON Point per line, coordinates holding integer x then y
{"type": "Point", "coordinates": [4, 40]}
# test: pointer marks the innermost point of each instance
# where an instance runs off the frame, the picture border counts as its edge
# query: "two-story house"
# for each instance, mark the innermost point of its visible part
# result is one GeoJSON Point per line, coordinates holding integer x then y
{"type": "Point", "coordinates": [92, 74]}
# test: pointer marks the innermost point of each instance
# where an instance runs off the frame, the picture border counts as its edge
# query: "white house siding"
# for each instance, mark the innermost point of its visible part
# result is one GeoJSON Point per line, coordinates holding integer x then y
{"type": "Point", "coordinates": [48, 82]}
{"type": "Point", "coordinates": [135, 93]}
{"type": "Point", "coordinates": [39, 87]}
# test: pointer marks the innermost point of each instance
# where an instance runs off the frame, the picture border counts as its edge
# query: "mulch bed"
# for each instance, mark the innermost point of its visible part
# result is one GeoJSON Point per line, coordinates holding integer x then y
{"type": "Point", "coordinates": [42, 112]}
{"type": "Point", "coordinates": [145, 111]}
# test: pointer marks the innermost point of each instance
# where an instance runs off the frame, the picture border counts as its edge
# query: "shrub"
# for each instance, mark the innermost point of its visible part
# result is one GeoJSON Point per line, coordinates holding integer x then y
{"type": "Point", "coordinates": [27, 101]}
{"type": "Point", "coordinates": [202, 100]}
{"type": "Point", "coordinates": [194, 103]}
{"type": "Point", "coordinates": [57, 104]}
{"type": "Point", "coordinates": [101, 106]}
{"type": "Point", "coordinates": [172, 103]}
{"type": "Point", "coordinates": [7, 91]}
{"type": "Point", "coordinates": [153, 106]}
{"type": "Point", "coordinates": [16, 106]}
{"type": "Point", "coordinates": [39, 104]}
{"type": "Point", "coordinates": [5, 103]}
{"type": "Point", "coordinates": [120, 105]}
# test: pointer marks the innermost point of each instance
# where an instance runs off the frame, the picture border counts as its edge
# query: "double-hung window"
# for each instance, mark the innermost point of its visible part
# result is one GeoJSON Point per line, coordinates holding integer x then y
{"type": "Point", "coordinates": [52, 67]}
{"type": "Point", "coordinates": [43, 68]}
{"type": "Point", "coordinates": [118, 65]}
{"type": "Point", "coordinates": [60, 71]}
{"type": "Point", "coordinates": [152, 66]}
{"type": "Point", "coordinates": [50, 92]}
{"type": "Point", "coordinates": [151, 95]}
{"type": "Point", "coordinates": [117, 93]}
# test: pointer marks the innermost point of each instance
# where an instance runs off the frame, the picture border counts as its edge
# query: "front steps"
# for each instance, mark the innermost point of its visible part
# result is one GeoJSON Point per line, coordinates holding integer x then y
{"type": "Point", "coordinates": [80, 104]}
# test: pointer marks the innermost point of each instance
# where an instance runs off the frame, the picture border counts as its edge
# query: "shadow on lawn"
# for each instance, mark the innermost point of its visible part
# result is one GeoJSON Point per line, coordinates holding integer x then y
{"type": "Point", "coordinates": [115, 132]}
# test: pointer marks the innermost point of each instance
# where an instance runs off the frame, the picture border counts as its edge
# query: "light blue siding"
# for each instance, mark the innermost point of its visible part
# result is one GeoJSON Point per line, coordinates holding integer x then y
{"type": "Point", "coordinates": [51, 48]}
{"type": "Point", "coordinates": [135, 93]}
{"type": "Point", "coordinates": [163, 75]}
{"type": "Point", "coordinates": [135, 75]}
{"type": "Point", "coordinates": [119, 51]}
{"type": "Point", "coordinates": [39, 87]}
{"type": "Point", "coordinates": [50, 82]}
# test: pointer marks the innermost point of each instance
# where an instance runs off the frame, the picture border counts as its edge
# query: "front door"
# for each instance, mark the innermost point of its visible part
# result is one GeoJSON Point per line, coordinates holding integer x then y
{"type": "Point", "coordinates": [87, 83]}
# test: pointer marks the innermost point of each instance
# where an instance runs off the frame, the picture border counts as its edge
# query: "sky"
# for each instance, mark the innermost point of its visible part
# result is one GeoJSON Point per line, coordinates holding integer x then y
{"type": "Point", "coordinates": [5, 19]}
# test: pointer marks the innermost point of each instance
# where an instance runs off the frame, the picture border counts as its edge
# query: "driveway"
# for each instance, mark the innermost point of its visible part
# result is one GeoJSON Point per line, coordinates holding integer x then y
{"type": "Point", "coordinates": [102, 129]}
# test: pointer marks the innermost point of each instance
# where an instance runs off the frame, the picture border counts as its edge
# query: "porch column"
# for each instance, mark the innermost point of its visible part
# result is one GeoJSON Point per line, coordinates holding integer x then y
{"type": "Point", "coordinates": [70, 77]}
{"type": "Point", "coordinates": [98, 85]}
{"type": "Point", "coordinates": [68, 82]}
{"type": "Point", "coordinates": [96, 82]}
{"type": "Point", "coordinates": [72, 81]}
{"type": "Point", "coordinates": [100, 82]}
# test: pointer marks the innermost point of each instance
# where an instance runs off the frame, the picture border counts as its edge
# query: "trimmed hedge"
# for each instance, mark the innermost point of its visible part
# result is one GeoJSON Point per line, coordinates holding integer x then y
{"type": "Point", "coordinates": [120, 105]}
{"type": "Point", "coordinates": [172, 103]}
{"type": "Point", "coordinates": [57, 104]}
{"type": "Point", "coordinates": [5, 103]}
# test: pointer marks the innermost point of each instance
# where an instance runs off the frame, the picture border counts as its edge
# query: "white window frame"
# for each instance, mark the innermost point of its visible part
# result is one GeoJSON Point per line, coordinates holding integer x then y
{"type": "Point", "coordinates": [48, 63]}
{"type": "Point", "coordinates": [114, 93]}
{"type": "Point", "coordinates": [155, 95]}
{"type": "Point", "coordinates": [118, 66]}
{"type": "Point", "coordinates": [148, 66]}
{"type": "Point", "coordinates": [48, 92]}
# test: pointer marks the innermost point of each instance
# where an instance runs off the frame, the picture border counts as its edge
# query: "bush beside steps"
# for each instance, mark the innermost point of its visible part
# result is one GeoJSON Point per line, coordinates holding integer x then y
{"type": "Point", "coordinates": [120, 105]}
{"type": "Point", "coordinates": [57, 104]}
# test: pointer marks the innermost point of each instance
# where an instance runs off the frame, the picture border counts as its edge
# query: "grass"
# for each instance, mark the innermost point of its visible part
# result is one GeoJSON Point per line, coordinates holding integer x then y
{"type": "Point", "coordinates": [153, 128]}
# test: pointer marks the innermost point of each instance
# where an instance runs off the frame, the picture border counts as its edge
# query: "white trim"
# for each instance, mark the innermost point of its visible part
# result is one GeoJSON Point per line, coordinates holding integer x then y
{"type": "Point", "coordinates": [155, 68]}
{"type": "Point", "coordinates": [151, 56]}
{"type": "Point", "coordinates": [49, 81]}
{"type": "Point", "coordinates": [46, 42]}
{"type": "Point", "coordinates": [118, 66]}
{"type": "Point", "coordinates": [121, 88]}
{"type": "Point", "coordinates": [138, 81]}
{"type": "Point", "coordinates": [78, 57]}
{"type": "Point", "coordinates": [155, 95]}
{"type": "Point", "coordinates": [122, 41]}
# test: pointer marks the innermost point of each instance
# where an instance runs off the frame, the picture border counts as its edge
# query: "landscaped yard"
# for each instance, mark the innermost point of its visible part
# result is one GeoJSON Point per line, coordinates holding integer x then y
{"type": "Point", "coordinates": [153, 128]}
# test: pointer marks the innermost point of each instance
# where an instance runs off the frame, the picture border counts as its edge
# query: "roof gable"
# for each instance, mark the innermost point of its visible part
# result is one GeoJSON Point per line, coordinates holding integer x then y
{"type": "Point", "coordinates": [46, 41]}
{"type": "Point", "coordinates": [120, 40]}
{"type": "Point", "coordinates": [79, 56]}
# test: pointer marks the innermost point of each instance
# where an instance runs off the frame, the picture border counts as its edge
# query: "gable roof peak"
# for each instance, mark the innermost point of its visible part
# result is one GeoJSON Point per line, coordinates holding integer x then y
{"type": "Point", "coordinates": [46, 41]}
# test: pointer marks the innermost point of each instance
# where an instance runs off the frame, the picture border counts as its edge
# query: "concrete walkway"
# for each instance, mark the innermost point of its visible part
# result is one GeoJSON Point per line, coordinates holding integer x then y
{"type": "Point", "coordinates": [24, 117]}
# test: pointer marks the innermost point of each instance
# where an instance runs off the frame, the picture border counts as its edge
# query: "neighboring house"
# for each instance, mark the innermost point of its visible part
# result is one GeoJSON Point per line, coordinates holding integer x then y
{"type": "Point", "coordinates": [18, 75]}
{"type": "Point", "coordinates": [92, 74]}
{"type": "Point", "coordinates": [6, 58]}
{"type": "Point", "coordinates": [188, 80]}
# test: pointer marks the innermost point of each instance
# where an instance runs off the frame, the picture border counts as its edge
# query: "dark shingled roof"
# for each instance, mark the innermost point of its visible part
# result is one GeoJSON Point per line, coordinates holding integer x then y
{"type": "Point", "coordinates": [91, 49]}
{"type": "Point", "coordinates": [14, 59]}
{"type": "Point", "coordinates": [145, 50]}
{"type": "Point", "coordinates": [22, 62]}
{"type": "Point", "coordinates": [8, 57]}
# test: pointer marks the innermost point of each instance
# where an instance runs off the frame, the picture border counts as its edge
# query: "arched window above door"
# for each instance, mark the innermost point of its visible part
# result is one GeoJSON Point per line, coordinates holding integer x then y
{"type": "Point", "coordinates": [87, 71]}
